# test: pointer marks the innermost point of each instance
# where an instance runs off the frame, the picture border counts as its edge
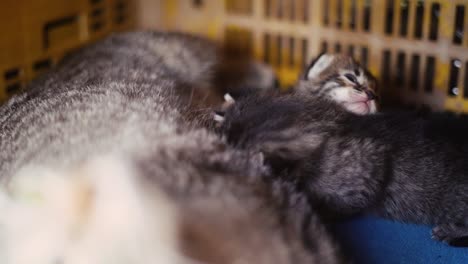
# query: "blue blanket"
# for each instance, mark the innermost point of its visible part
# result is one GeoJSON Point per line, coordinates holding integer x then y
{"type": "Point", "coordinates": [374, 240]}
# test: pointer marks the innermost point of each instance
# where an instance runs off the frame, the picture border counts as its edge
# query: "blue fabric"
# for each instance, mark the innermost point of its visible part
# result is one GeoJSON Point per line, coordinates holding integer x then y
{"type": "Point", "coordinates": [373, 240]}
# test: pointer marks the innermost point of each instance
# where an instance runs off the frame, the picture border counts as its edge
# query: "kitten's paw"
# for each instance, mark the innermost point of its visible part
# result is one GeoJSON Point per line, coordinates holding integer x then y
{"type": "Point", "coordinates": [218, 116]}
{"type": "Point", "coordinates": [228, 101]}
{"type": "Point", "coordinates": [454, 234]}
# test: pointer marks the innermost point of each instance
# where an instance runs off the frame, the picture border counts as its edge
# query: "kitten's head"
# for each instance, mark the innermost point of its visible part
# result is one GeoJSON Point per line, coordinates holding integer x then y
{"type": "Point", "coordinates": [341, 79]}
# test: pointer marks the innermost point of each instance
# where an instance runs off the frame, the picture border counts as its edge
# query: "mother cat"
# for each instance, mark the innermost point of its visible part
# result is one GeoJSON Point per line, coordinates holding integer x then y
{"type": "Point", "coordinates": [127, 98]}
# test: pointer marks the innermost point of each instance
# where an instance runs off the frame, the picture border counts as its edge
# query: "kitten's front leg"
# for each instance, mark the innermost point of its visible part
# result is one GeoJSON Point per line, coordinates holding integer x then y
{"type": "Point", "coordinates": [454, 234]}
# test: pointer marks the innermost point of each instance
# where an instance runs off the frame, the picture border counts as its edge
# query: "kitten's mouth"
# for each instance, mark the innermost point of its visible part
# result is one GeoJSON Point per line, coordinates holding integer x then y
{"type": "Point", "coordinates": [361, 107]}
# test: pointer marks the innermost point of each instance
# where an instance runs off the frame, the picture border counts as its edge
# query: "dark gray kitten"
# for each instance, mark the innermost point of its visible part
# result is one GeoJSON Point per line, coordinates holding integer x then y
{"type": "Point", "coordinates": [128, 96]}
{"type": "Point", "coordinates": [399, 165]}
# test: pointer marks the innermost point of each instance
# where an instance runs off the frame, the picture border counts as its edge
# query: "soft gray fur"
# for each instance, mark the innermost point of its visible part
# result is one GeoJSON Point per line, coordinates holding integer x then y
{"type": "Point", "coordinates": [400, 165]}
{"type": "Point", "coordinates": [128, 95]}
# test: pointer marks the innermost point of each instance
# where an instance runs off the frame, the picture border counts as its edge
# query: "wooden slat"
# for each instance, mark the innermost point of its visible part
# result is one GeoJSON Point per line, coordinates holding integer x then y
{"type": "Point", "coordinates": [427, 19]}
{"type": "Point", "coordinates": [396, 18]}
{"type": "Point", "coordinates": [411, 19]}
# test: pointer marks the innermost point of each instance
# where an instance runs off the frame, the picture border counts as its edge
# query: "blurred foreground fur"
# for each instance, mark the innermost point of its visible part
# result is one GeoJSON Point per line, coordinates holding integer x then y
{"type": "Point", "coordinates": [100, 164]}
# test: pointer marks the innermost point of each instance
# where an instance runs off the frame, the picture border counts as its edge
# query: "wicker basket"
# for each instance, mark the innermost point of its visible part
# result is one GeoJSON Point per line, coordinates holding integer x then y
{"type": "Point", "coordinates": [417, 48]}
{"type": "Point", "coordinates": [37, 33]}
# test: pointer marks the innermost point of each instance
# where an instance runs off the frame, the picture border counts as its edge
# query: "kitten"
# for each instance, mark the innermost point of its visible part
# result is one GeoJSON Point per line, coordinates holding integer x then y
{"type": "Point", "coordinates": [335, 77]}
{"type": "Point", "coordinates": [100, 164]}
{"type": "Point", "coordinates": [406, 167]}
{"type": "Point", "coordinates": [341, 79]}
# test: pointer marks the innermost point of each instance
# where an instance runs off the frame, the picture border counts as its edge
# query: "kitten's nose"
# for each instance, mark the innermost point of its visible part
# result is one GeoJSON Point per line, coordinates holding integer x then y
{"type": "Point", "coordinates": [371, 95]}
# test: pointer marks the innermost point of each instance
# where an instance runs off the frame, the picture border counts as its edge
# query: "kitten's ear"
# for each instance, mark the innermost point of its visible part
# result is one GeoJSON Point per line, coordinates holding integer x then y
{"type": "Point", "coordinates": [318, 65]}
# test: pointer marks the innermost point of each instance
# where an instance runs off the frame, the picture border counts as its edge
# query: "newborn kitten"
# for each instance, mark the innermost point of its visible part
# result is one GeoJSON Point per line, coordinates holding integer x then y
{"type": "Point", "coordinates": [341, 79]}
{"type": "Point", "coordinates": [175, 186]}
{"type": "Point", "coordinates": [401, 166]}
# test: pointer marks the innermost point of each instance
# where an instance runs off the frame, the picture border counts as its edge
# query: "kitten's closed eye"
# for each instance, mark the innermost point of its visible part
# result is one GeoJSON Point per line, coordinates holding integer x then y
{"type": "Point", "coordinates": [351, 78]}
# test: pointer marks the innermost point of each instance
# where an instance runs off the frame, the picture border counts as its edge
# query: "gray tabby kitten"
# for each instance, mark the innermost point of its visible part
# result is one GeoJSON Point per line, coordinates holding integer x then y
{"type": "Point", "coordinates": [334, 77]}
{"type": "Point", "coordinates": [402, 166]}
{"type": "Point", "coordinates": [340, 79]}
{"type": "Point", "coordinates": [147, 185]}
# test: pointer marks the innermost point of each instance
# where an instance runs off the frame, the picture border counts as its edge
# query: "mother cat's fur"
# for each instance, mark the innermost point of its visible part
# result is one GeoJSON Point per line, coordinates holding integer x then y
{"type": "Point", "coordinates": [127, 96]}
